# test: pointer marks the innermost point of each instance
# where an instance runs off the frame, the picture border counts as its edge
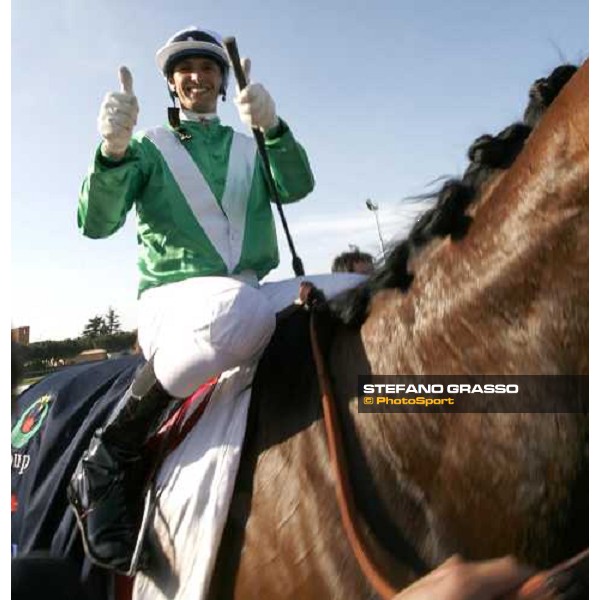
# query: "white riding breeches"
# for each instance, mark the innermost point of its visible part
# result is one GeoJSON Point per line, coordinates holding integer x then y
{"type": "Point", "coordinates": [200, 327]}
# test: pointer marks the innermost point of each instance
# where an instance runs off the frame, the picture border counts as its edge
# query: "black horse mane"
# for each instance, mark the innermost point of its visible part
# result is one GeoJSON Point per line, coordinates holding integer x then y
{"type": "Point", "coordinates": [487, 154]}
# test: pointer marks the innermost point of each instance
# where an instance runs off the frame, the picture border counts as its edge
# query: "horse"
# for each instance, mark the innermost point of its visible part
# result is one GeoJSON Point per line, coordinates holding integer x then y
{"type": "Point", "coordinates": [491, 281]}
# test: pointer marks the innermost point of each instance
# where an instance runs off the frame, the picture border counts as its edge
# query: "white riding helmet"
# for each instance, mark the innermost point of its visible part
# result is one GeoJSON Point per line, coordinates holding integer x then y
{"type": "Point", "coordinates": [194, 42]}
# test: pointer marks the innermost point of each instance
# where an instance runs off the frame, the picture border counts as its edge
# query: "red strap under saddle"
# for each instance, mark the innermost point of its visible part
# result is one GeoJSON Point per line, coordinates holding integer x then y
{"type": "Point", "coordinates": [183, 419]}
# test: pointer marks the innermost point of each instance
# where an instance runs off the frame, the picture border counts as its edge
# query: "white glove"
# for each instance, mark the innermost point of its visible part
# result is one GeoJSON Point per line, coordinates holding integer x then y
{"type": "Point", "coordinates": [118, 116]}
{"type": "Point", "coordinates": [255, 105]}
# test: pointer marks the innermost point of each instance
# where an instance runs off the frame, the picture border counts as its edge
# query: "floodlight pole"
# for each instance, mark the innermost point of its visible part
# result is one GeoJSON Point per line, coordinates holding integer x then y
{"type": "Point", "coordinates": [374, 208]}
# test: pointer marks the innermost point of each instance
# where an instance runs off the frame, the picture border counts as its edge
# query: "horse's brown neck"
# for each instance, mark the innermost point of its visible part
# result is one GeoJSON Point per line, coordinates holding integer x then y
{"type": "Point", "coordinates": [509, 298]}
{"type": "Point", "coordinates": [468, 296]}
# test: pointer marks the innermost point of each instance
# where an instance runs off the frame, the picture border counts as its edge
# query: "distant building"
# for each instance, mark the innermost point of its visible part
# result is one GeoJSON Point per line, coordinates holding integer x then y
{"type": "Point", "coordinates": [20, 335]}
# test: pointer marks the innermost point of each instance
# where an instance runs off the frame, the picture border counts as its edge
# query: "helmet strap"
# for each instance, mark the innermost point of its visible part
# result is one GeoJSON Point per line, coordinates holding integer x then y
{"type": "Point", "coordinates": [173, 112]}
{"type": "Point", "coordinates": [173, 115]}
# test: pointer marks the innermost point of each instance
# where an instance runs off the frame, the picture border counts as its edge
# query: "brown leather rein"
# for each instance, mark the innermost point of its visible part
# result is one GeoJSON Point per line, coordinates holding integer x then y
{"type": "Point", "coordinates": [539, 587]}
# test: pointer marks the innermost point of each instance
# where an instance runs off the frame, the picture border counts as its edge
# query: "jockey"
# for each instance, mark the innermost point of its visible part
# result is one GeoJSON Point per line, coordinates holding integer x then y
{"type": "Point", "coordinates": [206, 237]}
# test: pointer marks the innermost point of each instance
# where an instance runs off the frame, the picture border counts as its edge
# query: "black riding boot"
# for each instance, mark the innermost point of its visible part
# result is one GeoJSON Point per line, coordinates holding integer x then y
{"type": "Point", "coordinates": [107, 488]}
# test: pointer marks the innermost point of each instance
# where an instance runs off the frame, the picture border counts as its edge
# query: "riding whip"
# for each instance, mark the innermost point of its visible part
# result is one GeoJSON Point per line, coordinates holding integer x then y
{"type": "Point", "coordinates": [234, 58]}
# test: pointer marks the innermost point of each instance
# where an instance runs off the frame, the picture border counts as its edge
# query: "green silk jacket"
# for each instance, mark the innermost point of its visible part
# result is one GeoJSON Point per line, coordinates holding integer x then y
{"type": "Point", "coordinates": [224, 229]}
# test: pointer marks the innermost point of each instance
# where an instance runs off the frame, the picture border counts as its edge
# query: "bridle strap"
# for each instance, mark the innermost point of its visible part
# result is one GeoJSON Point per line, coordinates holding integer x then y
{"type": "Point", "coordinates": [344, 495]}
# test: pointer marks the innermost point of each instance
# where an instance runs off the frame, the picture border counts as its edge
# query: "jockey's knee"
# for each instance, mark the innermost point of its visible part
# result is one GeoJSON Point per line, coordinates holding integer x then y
{"type": "Point", "coordinates": [243, 325]}
{"type": "Point", "coordinates": [239, 328]}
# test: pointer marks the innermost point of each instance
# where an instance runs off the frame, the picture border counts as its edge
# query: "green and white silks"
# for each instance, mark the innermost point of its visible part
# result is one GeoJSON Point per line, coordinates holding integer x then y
{"type": "Point", "coordinates": [184, 232]}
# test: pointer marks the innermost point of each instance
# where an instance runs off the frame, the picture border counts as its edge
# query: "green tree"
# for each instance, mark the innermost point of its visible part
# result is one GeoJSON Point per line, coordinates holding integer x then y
{"type": "Point", "coordinates": [111, 320]}
{"type": "Point", "coordinates": [44, 357]}
{"type": "Point", "coordinates": [94, 327]}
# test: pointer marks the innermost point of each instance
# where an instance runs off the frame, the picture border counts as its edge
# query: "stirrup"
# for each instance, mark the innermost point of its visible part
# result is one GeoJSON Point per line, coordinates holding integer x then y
{"type": "Point", "coordinates": [99, 498]}
{"type": "Point", "coordinates": [139, 559]}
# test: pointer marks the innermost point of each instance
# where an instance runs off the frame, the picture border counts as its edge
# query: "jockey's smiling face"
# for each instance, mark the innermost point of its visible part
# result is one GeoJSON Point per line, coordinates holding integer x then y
{"type": "Point", "coordinates": [196, 81]}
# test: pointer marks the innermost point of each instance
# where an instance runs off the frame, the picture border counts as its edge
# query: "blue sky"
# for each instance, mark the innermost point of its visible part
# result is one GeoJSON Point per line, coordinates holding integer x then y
{"type": "Point", "coordinates": [384, 96]}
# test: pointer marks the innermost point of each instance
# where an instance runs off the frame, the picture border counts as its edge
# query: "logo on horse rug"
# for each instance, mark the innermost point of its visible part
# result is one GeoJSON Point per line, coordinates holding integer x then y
{"type": "Point", "coordinates": [30, 422]}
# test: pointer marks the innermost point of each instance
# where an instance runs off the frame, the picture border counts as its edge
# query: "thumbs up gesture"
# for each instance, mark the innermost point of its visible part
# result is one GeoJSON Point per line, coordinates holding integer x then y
{"type": "Point", "coordinates": [254, 103]}
{"type": "Point", "coordinates": [118, 116]}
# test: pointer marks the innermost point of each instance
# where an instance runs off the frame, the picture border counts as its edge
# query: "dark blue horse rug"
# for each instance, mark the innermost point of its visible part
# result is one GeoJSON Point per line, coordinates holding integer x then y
{"type": "Point", "coordinates": [52, 424]}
